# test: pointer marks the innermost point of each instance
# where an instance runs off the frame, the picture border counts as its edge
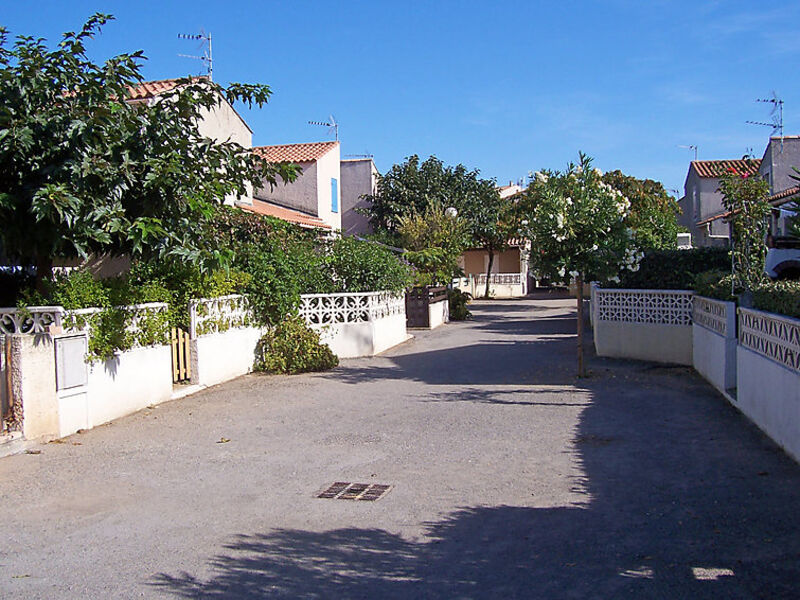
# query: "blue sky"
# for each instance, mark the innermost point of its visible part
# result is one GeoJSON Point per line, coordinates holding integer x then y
{"type": "Point", "coordinates": [504, 87]}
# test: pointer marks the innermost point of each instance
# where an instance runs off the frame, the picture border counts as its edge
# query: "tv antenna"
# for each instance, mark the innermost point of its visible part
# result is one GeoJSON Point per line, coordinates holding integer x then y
{"type": "Point", "coordinates": [205, 44]}
{"type": "Point", "coordinates": [690, 147]}
{"type": "Point", "coordinates": [367, 155]}
{"type": "Point", "coordinates": [776, 112]}
{"type": "Point", "coordinates": [331, 124]}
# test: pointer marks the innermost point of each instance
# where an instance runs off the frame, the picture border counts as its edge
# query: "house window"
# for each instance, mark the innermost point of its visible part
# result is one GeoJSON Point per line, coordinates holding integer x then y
{"type": "Point", "coordinates": [334, 195]}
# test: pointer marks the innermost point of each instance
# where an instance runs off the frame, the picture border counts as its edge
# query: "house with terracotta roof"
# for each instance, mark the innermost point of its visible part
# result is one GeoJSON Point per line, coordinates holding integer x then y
{"type": "Point", "coordinates": [702, 200]}
{"type": "Point", "coordinates": [221, 123]}
{"type": "Point", "coordinates": [314, 198]}
{"type": "Point", "coordinates": [781, 156]}
{"type": "Point", "coordinates": [359, 179]}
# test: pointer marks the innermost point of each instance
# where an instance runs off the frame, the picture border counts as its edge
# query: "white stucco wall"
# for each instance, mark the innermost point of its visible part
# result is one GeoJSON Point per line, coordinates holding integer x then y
{"type": "Point", "coordinates": [328, 167]}
{"type": "Point", "coordinates": [769, 394]}
{"type": "Point", "coordinates": [671, 344]}
{"type": "Point", "coordinates": [438, 313]}
{"type": "Point", "coordinates": [351, 340]}
{"type": "Point", "coordinates": [713, 354]}
{"type": "Point", "coordinates": [129, 382]}
{"type": "Point", "coordinates": [33, 381]}
{"type": "Point", "coordinates": [223, 123]}
{"type": "Point", "coordinates": [219, 357]}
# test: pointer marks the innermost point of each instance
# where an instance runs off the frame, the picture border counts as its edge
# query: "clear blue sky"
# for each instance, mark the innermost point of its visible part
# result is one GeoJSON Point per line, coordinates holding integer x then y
{"type": "Point", "coordinates": [504, 87]}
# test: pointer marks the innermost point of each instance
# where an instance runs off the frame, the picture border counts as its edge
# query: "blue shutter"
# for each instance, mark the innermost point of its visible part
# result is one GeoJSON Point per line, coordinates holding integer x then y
{"type": "Point", "coordinates": [334, 195]}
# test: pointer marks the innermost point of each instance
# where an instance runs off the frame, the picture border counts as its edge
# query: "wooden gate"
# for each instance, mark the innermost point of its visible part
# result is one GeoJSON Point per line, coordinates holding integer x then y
{"type": "Point", "coordinates": [181, 355]}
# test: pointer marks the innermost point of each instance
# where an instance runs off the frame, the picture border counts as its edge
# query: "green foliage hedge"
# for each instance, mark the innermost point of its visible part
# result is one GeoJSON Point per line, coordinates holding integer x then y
{"type": "Point", "coordinates": [292, 347]}
{"type": "Point", "coordinates": [674, 269]}
{"type": "Point", "coordinates": [782, 297]}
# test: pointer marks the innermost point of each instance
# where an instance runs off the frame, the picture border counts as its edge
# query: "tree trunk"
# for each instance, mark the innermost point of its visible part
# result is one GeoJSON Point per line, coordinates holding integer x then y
{"type": "Point", "coordinates": [44, 270]}
{"type": "Point", "coordinates": [579, 295]}
{"type": "Point", "coordinates": [489, 273]}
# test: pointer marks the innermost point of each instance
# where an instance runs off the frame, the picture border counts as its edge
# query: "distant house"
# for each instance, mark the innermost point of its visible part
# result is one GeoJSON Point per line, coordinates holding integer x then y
{"type": "Point", "coordinates": [506, 191]}
{"type": "Point", "coordinates": [359, 179]}
{"type": "Point", "coordinates": [701, 205]}
{"type": "Point", "coordinates": [314, 198]}
{"type": "Point", "coordinates": [776, 167]}
{"type": "Point", "coordinates": [509, 276]}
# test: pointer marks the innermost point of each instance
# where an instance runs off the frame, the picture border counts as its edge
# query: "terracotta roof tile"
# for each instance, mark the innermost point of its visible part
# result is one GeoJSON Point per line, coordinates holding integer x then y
{"type": "Point", "coordinates": [150, 89]}
{"type": "Point", "coordinates": [784, 196]}
{"type": "Point", "coordinates": [286, 214]}
{"type": "Point", "coordinates": [718, 168]}
{"type": "Point", "coordinates": [295, 152]}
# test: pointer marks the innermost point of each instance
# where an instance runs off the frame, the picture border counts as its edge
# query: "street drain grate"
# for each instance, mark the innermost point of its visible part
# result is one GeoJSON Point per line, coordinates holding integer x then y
{"type": "Point", "coordinates": [344, 490]}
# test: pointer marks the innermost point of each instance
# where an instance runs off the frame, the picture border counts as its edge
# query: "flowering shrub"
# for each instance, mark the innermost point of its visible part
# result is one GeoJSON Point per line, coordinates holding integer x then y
{"type": "Point", "coordinates": [576, 224]}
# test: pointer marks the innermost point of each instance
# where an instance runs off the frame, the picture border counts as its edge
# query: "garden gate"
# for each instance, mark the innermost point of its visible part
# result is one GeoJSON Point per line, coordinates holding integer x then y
{"type": "Point", "coordinates": [181, 354]}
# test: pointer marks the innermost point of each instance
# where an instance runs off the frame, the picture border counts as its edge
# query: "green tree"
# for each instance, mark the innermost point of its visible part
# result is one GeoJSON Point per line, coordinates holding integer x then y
{"type": "Point", "coordinates": [745, 198]}
{"type": "Point", "coordinates": [577, 226]}
{"type": "Point", "coordinates": [434, 241]}
{"type": "Point", "coordinates": [412, 188]}
{"type": "Point", "coordinates": [82, 170]}
{"type": "Point", "coordinates": [653, 214]}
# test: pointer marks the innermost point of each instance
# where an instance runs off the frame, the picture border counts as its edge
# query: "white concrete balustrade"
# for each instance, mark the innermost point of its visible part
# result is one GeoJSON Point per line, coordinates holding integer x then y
{"type": "Point", "coordinates": [768, 375]}
{"type": "Point", "coordinates": [224, 339]}
{"type": "Point", "coordinates": [714, 342]}
{"type": "Point", "coordinates": [651, 325]}
{"type": "Point", "coordinates": [357, 324]}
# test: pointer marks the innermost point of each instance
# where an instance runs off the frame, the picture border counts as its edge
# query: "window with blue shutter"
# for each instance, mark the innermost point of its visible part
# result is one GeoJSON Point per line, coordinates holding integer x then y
{"type": "Point", "coordinates": [334, 195]}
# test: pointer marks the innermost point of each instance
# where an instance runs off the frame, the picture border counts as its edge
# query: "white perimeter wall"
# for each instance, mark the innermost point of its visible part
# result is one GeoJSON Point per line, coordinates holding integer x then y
{"type": "Point", "coordinates": [662, 343]}
{"type": "Point", "coordinates": [769, 394]}
{"type": "Point", "coordinates": [714, 357]}
{"type": "Point", "coordinates": [438, 313]}
{"type": "Point", "coordinates": [219, 357]}
{"type": "Point", "coordinates": [350, 340]}
{"type": "Point", "coordinates": [123, 385]}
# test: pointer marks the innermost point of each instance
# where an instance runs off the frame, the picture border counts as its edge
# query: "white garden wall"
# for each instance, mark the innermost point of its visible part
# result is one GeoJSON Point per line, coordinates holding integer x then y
{"type": "Point", "coordinates": [223, 339]}
{"type": "Point", "coordinates": [358, 324]}
{"type": "Point", "coordinates": [654, 325]}
{"type": "Point", "coordinates": [218, 357]}
{"type": "Point", "coordinates": [768, 375]}
{"type": "Point", "coordinates": [714, 342]}
{"type": "Point", "coordinates": [438, 313]}
{"type": "Point", "coordinates": [501, 285]}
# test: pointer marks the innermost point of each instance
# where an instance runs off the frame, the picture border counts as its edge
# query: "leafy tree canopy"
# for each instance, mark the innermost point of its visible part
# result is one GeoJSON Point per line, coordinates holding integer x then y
{"type": "Point", "coordinates": [82, 170]}
{"type": "Point", "coordinates": [653, 214]}
{"type": "Point", "coordinates": [414, 187]}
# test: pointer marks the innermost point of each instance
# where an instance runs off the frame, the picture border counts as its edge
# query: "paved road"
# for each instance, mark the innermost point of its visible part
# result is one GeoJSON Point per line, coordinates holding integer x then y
{"type": "Point", "coordinates": [511, 480]}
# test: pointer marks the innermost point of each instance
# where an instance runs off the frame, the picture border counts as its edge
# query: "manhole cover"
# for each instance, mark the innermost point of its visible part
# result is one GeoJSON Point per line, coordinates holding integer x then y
{"type": "Point", "coordinates": [343, 490]}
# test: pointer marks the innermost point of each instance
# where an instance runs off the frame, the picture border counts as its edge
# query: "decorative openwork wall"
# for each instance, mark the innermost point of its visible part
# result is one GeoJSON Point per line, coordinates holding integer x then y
{"type": "Point", "coordinates": [711, 314]}
{"type": "Point", "coordinates": [773, 336]}
{"type": "Point", "coordinates": [215, 315]}
{"type": "Point", "coordinates": [663, 307]}
{"type": "Point", "coordinates": [500, 279]}
{"type": "Point", "coordinates": [38, 319]}
{"type": "Point", "coordinates": [34, 319]}
{"type": "Point", "coordinates": [328, 309]}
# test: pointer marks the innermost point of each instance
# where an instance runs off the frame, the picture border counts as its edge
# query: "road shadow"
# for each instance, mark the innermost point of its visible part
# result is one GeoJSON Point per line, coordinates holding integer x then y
{"type": "Point", "coordinates": [679, 498]}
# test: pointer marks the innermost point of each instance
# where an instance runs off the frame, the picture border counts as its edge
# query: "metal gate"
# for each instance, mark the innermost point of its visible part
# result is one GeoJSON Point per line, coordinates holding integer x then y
{"type": "Point", "coordinates": [181, 355]}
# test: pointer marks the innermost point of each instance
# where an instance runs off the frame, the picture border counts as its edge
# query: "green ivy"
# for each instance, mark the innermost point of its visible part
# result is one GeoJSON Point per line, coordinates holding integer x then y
{"type": "Point", "coordinates": [782, 297]}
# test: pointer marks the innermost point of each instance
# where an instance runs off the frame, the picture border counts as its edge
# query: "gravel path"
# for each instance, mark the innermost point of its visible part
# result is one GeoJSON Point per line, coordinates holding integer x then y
{"type": "Point", "coordinates": [510, 480]}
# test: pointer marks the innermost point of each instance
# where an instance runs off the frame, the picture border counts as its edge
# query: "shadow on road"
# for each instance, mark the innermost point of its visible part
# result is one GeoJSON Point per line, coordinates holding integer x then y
{"type": "Point", "coordinates": [681, 498]}
{"type": "Point", "coordinates": [687, 502]}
